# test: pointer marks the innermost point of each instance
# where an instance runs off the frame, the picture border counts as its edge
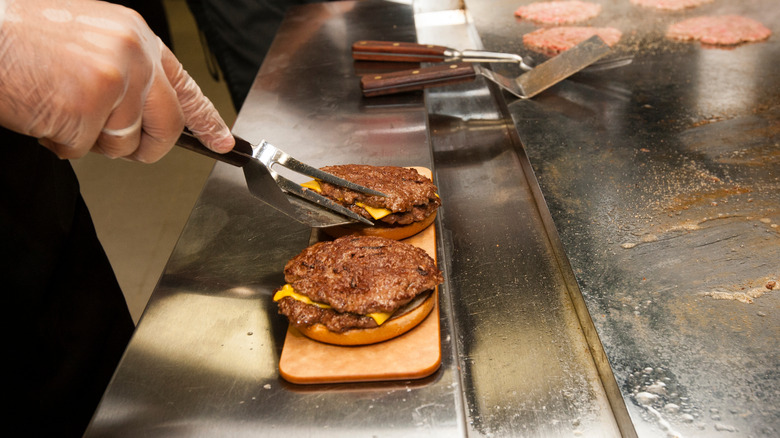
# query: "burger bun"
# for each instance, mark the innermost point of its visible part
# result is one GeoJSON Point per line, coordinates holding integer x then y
{"type": "Point", "coordinates": [395, 326]}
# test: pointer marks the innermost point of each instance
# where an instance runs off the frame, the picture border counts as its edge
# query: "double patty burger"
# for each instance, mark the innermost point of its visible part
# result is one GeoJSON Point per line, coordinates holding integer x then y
{"type": "Point", "coordinates": [410, 205]}
{"type": "Point", "coordinates": [358, 290]}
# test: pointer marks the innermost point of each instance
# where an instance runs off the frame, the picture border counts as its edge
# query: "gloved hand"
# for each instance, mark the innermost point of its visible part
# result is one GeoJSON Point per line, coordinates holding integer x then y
{"type": "Point", "coordinates": [88, 75]}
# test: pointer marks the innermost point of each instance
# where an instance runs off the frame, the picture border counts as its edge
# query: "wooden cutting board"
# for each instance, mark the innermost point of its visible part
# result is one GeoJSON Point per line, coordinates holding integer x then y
{"type": "Point", "coordinates": [413, 355]}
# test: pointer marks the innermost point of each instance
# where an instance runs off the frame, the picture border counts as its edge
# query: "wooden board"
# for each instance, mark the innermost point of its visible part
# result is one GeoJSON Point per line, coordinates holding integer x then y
{"type": "Point", "coordinates": [413, 355]}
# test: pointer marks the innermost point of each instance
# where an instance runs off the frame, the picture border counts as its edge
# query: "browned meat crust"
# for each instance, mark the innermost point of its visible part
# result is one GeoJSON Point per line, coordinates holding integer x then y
{"type": "Point", "coordinates": [302, 314]}
{"type": "Point", "coordinates": [362, 274]}
{"type": "Point", "coordinates": [411, 196]}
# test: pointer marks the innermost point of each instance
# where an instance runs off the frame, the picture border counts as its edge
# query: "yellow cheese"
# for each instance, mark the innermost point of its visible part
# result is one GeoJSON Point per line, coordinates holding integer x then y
{"type": "Point", "coordinates": [375, 212]}
{"type": "Point", "coordinates": [380, 317]}
{"type": "Point", "coordinates": [288, 291]}
{"type": "Point", "coordinates": [314, 185]}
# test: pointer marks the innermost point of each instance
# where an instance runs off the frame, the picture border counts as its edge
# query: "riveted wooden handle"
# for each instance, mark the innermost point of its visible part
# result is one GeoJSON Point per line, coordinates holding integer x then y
{"type": "Point", "coordinates": [239, 156]}
{"type": "Point", "coordinates": [397, 51]}
{"type": "Point", "coordinates": [416, 79]}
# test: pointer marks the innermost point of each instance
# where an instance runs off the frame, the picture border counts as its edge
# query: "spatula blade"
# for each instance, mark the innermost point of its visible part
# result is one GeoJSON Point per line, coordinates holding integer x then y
{"type": "Point", "coordinates": [550, 72]}
{"type": "Point", "coordinates": [562, 66]}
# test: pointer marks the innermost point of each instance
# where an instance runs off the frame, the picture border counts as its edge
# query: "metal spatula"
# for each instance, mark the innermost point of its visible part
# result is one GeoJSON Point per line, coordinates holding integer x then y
{"type": "Point", "coordinates": [304, 205]}
{"type": "Point", "coordinates": [524, 86]}
{"type": "Point", "coordinates": [394, 51]}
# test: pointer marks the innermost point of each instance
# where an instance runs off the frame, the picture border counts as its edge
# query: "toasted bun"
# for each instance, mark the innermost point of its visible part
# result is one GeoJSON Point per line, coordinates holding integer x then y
{"type": "Point", "coordinates": [391, 328]}
{"type": "Point", "coordinates": [394, 232]}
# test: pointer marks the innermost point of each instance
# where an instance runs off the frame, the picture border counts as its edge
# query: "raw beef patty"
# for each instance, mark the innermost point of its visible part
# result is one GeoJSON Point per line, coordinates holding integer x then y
{"type": "Point", "coordinates": [720, 30]}
{"type": "Point", "coordinates": [554, 40]}
{"type": "Point", "coordinates": [558, 12]}
{"type": "Point", "coordinates": [670, 5]}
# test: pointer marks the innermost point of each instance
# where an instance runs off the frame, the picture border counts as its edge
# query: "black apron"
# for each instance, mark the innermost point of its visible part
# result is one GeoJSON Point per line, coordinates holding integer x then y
{"type": "Point", "coordinates": [67, 318]}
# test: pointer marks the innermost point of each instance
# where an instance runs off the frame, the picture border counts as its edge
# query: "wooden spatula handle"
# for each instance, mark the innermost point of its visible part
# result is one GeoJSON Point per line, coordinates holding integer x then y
{"type": "Point", "coordinates": [239, 156]}
{"type": "Point", "coordinates": [416, 79]}
{"type": "Point", "coordinates": [397, 51]}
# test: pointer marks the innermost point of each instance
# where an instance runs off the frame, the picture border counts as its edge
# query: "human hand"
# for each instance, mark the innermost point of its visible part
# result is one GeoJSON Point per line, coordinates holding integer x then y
{"type": "Point", "coordinates": [88, 75]}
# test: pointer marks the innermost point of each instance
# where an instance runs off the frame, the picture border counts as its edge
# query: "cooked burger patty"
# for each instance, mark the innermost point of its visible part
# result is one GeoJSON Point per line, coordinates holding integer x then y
{"type": "Point", "coordinates": [411, 197]}
{"type": "Point", "coordinates": [356, 275]}
{"type": "Point", "coordinates": [302, 314]}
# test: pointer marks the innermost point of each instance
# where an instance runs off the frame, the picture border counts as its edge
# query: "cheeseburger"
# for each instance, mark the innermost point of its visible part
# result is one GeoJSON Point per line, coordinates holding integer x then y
{"type": "Point", "coordinates": [358, 290]}
{"type": "Point", "coordinates": [409, 207]}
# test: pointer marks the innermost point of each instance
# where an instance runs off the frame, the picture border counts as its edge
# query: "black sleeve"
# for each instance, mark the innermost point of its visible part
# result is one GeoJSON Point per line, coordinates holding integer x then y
{"type": "Point", "coordinates": [65, 314]}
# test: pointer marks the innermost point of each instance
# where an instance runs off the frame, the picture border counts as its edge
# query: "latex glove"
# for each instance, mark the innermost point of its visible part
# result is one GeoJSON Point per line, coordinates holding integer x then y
{"type": "Point", "coordinates": [87, 75]}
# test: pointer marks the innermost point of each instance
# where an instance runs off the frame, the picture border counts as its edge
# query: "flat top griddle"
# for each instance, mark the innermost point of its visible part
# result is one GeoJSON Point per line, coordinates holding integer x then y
{"type": "Point", "coordinates": [663, 181]}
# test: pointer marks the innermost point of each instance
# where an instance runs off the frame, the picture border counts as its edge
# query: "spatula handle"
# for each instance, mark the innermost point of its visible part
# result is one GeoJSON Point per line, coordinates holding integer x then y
{"type": "Point", "coordinates": [239, 156]}
{"type": "Point", "coordinates": [397, 51]}
{"type": "Point", "coordinates": [416, 79]}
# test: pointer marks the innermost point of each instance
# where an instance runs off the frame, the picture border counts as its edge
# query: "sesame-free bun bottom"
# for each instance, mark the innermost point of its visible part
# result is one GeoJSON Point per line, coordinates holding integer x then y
{"type": "Point", "coordinates": [390, 329]}
{"type": "Point", "coordinates": [395, 232]}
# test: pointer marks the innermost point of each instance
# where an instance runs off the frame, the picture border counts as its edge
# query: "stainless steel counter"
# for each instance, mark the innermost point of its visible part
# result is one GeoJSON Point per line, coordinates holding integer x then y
{"type": "Point", "coordinates": [624, 162]}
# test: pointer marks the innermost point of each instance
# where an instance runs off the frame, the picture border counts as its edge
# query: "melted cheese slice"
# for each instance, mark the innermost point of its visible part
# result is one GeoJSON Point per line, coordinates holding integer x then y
{"type": "Point", "coordinates": [288, 291]}
{"type": "Point", "coordinates": [314, 185]}
{"type": "Point", "coordinates": [375, 212]}
{"type": "Point", "coordinates": [380, 317]}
